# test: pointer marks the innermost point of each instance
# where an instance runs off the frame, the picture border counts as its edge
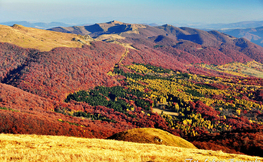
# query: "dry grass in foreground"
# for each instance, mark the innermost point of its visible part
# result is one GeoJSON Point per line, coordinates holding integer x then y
{"type": "Point", "coordinates": [60, 148]}
{"type": "Point", "coordinates": [43, 40]}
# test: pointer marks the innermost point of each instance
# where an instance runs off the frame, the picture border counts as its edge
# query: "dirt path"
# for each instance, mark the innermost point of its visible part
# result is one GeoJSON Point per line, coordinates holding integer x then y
{"type": "Point", "coordinates": [124, 55]}
{"type": "Point", "coordinates": [159, 111]}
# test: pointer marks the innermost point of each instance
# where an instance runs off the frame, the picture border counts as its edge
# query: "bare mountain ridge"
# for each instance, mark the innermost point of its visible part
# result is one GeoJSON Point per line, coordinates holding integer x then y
{"type": "Point", "coordinates": [199, 43]}
{"type": "Point", "coordinates": [186, 45]}
{"type": "Point", "coordinates": [210, 47]}
{"type": "Point", "coordinates": [128, 30]}
{"type": "Point", "coordinates": [95, 30]}
{"type": "Point", "coordinates": [212, 38]}
{"type": "Point", "coordinates": [176, 40]}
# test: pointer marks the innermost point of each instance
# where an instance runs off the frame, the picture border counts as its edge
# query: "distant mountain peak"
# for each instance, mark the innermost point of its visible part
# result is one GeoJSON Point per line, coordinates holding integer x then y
{"type": "Point", "coordinates": [115, 22]}
{"type": "Point", "coordinates": [17, 26]}
{"type": "Point", "coordinates": [165, 25]}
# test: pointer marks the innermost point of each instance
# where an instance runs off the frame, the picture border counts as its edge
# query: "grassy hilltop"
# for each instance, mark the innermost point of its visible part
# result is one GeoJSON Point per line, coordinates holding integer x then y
{"type": "Point", "coordinates": [42, 40]}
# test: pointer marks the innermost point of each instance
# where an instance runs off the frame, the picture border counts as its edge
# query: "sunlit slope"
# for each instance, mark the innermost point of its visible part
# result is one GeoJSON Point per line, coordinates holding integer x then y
{"type": "Point", "coordinates": [251, 68]}
{"type": "Point", "coordinates": [61, 148]}
{"type": "Point", "coordinates": [114, 38]}
{"type": "Point", "coordinates": [152, 135]}
{"type": "Point", "coordinates": [42, 40]}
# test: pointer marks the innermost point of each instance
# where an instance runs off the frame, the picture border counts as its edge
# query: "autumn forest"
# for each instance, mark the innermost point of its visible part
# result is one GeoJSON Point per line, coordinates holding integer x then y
{"type": "Point", "coordinates": [206, 87]}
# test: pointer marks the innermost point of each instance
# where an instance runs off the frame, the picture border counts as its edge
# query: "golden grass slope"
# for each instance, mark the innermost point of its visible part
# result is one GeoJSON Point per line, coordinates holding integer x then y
{"type": "Point", "coordinates": [251, 68]}
{"type": "Point", "coordinates": [152, 135]}
{"type": "Point", "coordinates": [43, 40]}
{"type": "Point", "coordinates": [109, 37]}
{"type": "Point", "coordinates": [61, 148]}
{"type": "Point", "coordinates": [113, 38]}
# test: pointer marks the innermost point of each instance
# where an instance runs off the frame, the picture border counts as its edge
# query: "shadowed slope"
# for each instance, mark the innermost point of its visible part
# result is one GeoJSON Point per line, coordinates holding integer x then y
{"type": "Point", "coordinates": [13, 58]}
{"type": "Point", "coordinates": [194, 35]}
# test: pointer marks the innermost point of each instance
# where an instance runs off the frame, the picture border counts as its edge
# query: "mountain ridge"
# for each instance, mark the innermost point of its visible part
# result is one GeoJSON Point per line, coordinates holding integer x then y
{"type": "Point", "coordinates": [39, 25]}
{"type": "Point", "coordinates": [254, 35]}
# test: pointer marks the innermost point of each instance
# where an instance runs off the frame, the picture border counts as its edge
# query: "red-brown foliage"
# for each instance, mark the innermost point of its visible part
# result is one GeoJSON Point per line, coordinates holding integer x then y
{"type": "Point", "coordinates": [62, 71]}
{"type": "Point", "coordinates": [24, 123]}
{"type": "Point", "coordinates": [12, 57]}
{"type": "Point", "coordinates": [55, 74]}
{"type": "Point", "coordinates": [154, 57]}
{"type": "Point", "coordinates": [41, 111]}
{"type": "Point", "coordinates": [206, 111]}
{"type": "Point", "coordinates": [246, 140]}
{"type": "Point", "coordinates": [12, 97]}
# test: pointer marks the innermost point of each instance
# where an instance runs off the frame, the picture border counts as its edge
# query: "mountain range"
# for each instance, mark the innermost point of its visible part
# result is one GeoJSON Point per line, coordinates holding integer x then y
{"type": "Point", "coordinates": [39, 25]}
{"type": "Point", "coordinates": [206, 47]}
{"type": "Point", "coordinates": [219, 26]}
{"type": "Point", "coordinates": [250, 30]}
{"type": "Point", "coordinates": [254, 35]}
{"type": "Point", "coordinates": [98, 80]}
{"type": "Point", "coordinates": [237, 25]}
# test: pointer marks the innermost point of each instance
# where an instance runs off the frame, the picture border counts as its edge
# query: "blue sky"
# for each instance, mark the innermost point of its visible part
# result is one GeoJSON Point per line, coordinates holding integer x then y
{"type": "Point", "coordinates": [134, 11]}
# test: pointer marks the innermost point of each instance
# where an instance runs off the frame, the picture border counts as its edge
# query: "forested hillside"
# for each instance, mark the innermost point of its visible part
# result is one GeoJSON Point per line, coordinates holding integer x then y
{"type": "Point", "coordinates": [205, 86]}
{"type": "Point", "coordinates": [60, 71]}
